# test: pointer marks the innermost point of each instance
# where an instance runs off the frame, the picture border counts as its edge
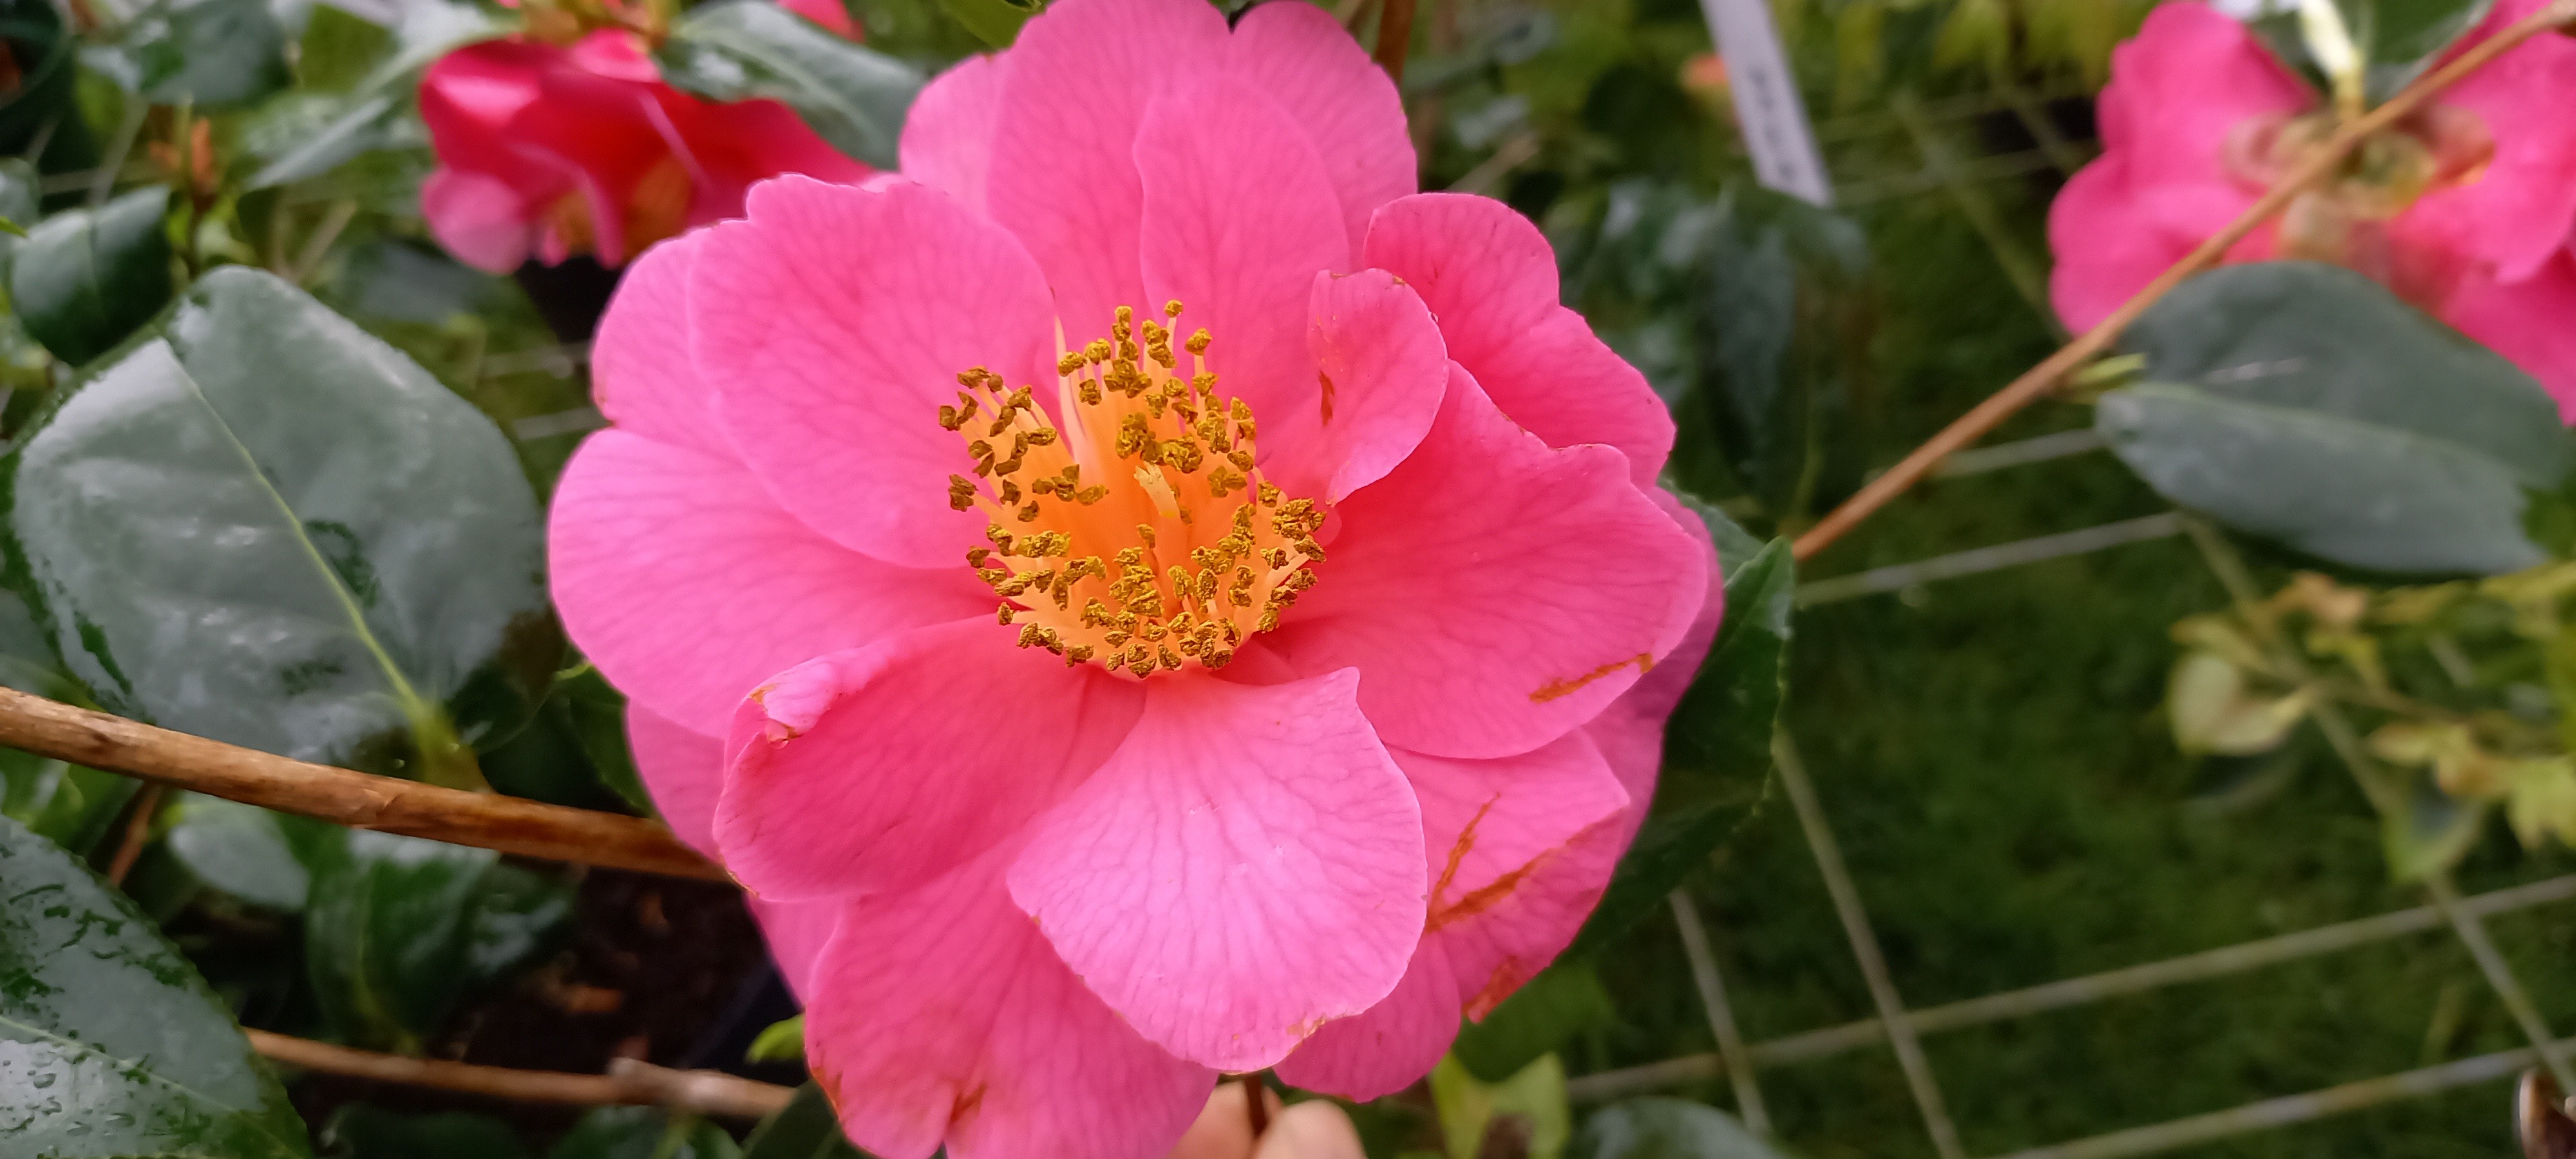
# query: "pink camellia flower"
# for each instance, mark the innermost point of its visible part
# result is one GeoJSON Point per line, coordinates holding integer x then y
{"type": "Point", "coordinates": [2463, 209]}
{"type": "Point", "coordinates": [555, 150]}
{"type": "Point", "coordinates": [1145, 594]}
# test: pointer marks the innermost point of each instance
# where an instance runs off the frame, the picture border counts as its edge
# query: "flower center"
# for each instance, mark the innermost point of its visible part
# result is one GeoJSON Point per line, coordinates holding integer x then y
{"type": "Point", "coordinates": [2343, 219]}
{"type": "Point", "coordinates": [1139, 533]}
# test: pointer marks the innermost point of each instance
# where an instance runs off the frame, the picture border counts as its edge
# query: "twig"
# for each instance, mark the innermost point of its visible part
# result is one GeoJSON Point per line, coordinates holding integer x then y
{"type": "Point", "coordinates": [629, 1082]}
{"type": "Point", "coordinates": [2040, 379]}
{"type": "Point", "coordinates": [357, 800]}
{"type": "Point", "coordinates": [138, 830]}
{"type": "Point", "coordinates": [1394, 36]}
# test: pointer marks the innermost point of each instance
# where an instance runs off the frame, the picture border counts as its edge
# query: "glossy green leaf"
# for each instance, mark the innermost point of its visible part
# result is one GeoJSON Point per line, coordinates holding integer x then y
{"type": "Point", "coordinates": [1717, 750]}
{"type": "Point", "coordinates": [2396, 39]}
{"type": "Point", "coordinates": [1667, 1129]}
{"type": "Point", "coordinates": [359, 1131]}
{"type": "Point", "coordinates": [995, 22]}
{"type": "Point", "coordinates": [598, 713]}
{"type": "Point", "coordinates": [644, 1133]}
{"type": "Point", "coordinates": [251, 853]}
{"type": "Point", "coordinates": [110, 1044]}
{"type": "Point", "coordinates": [2304, 402]}
{"type": "Point", "coordinates": [398, 930]}
{"type": "Point", "coordinates": [805, 1128]}
{"type": "Point", "coordinates": [745, 49]}
{"type": "Point", "coordinates": [202, 52]}
{"type": "Point", "coordinates": [369, 538]}
{"type": "Point", "coordinates": [357, 79]}
{"type": "Point", "coordinates": [84, 279]}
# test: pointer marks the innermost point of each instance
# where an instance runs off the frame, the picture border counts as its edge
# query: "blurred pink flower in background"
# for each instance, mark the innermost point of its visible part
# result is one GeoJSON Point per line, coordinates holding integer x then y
{"type": "Point", "coordinates": [2463, 209]}
{"type": "Point", "coordinates": [549, 150]}
{"type": "Point", "coordinates": [1338, 613]}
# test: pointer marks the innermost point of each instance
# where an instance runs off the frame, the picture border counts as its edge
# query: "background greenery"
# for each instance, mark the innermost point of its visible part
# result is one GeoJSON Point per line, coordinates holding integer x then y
{"type": "Point", "coordinates": [1990, 750]}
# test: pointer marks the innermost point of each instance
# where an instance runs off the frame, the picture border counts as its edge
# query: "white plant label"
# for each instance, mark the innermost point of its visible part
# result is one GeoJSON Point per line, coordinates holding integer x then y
{"type": "Point", "coordinates": [1766, 100]}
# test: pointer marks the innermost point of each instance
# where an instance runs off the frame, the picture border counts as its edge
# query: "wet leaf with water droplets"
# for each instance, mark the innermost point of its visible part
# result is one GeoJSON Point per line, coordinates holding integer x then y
{"type": "Point", "coordinates": [110, 1044]}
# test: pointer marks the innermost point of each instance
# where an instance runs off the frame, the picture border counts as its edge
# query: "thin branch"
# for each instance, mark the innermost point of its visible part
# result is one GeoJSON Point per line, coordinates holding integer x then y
{"type": "Point", "coordinates": [357, 800]}
{"type": "Point", "coordinates": [138, 833]}
{"type": "Point", "coordinates": [1394, 36]}
{"type": "Point", "coordinates": [2041, 379]}
{"type": "Point", "coordinates": [629, 1082]}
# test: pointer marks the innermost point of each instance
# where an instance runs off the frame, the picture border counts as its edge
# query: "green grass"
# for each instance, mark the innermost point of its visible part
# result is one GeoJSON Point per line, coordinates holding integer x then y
{"type": "Point", "coordinates": [1992, 758]}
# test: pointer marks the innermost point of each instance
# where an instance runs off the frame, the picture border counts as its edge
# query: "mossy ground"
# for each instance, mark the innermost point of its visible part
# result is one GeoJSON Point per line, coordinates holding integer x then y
{"type": "Point", "coordinates": [1992, 757]}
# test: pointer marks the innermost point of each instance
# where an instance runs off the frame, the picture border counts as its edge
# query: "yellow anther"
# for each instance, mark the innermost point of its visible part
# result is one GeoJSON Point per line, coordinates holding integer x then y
{"type": "Point", "coordinates": [1080, 576]}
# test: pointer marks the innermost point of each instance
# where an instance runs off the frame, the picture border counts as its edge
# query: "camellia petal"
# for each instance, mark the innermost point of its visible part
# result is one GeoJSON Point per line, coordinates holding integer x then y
{"type": "Point", "coordinates": [1380, 371]}
{"type": "Point", "coordinates": [1063, 174]}
{"type": "Point", "coordinates": [1246, 867]}
{"type": "Point", "coordinates": [948, 135]}
{"type": "Point", "coordinates": [685, 771]}
{"type": "Point", "coordinates": [556, 150]}
{"type": "Point", "coordinates": [1510, 885]}
{"type": "Point", "coordinates": [1631, 730]}
{"type": "Point", "coordinates": [2529, 322]}
{"type": "Point", "coordinates": [1239, 218]}
{"type": "Point", "coordinates": [940, 1013]}
{"type": "Point", "coordinates": [825, 793]}
{"type": "Point", "coordinates": [833, 323]}
{"type": "Point", "coordinates": [645, 536]}
{"type": "Point", "coordinates": [640, 371]}
{"type": "Point", "coordinates": [1299, 57]}
{"type": "Point", "coordinates": [1107, 369]}
{"type": "Point", "coordinates": [1491, 278]}
{"type": "Point", "coordinates": [1496, 591]}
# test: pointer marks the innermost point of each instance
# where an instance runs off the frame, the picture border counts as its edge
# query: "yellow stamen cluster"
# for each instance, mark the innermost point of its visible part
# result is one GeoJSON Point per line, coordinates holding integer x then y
{"type": "Point", "coordinates": [1138, 533]}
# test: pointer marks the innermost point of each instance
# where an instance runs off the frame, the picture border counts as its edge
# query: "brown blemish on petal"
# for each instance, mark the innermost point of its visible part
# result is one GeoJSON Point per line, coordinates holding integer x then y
{"type": "Point", "coordinates": [1327, 380]}
{"type": "Point", "coordinates": [965, 1105]}
{"type": "Point", "coordinates": [1507, 977]}
{"type": "Point", "coordinates": [1458, 852]}
{"type": "Point", "coordinates": [1645, 662]}
{"type": "Point", "coordinates": [1484, 899]}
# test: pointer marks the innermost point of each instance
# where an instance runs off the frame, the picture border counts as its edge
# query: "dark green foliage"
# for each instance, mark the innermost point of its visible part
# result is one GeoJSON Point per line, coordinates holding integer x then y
{"type": "Point", "coordinates": [2304, 402]}
{"type": "Point", "coordinates": [379, 531]}
{"type": "Point", "coordinates": [84, 279]}
{"type": "Point", "coordinates": [110, 1044]}
{"type": "Point", "coordinates": [853, 96]}
{"type": "Point", "coordinates": [805, 1129]}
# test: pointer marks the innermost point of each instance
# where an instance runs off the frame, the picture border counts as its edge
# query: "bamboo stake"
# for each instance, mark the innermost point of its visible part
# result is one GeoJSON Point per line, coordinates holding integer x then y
{"type": "Point", "coordinates": [629, 1082]}
{"type": "Point", "coordinates": [2041, 379]}
{"type": "Point", "coordinates": [357, 800]}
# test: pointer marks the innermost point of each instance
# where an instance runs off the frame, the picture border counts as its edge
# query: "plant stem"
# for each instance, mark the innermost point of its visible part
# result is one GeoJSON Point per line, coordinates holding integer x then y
{"type": "Point", "coordinates": [341, 796]}
{"type": "Point", "coordinates": [1394, 36]}
{"type": "Point", "coordinates": [2040, 379]}
{"type": "Point", "coordinates": [629, 1082]}
{"type": "Point", "coordinates": [138, 831]}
